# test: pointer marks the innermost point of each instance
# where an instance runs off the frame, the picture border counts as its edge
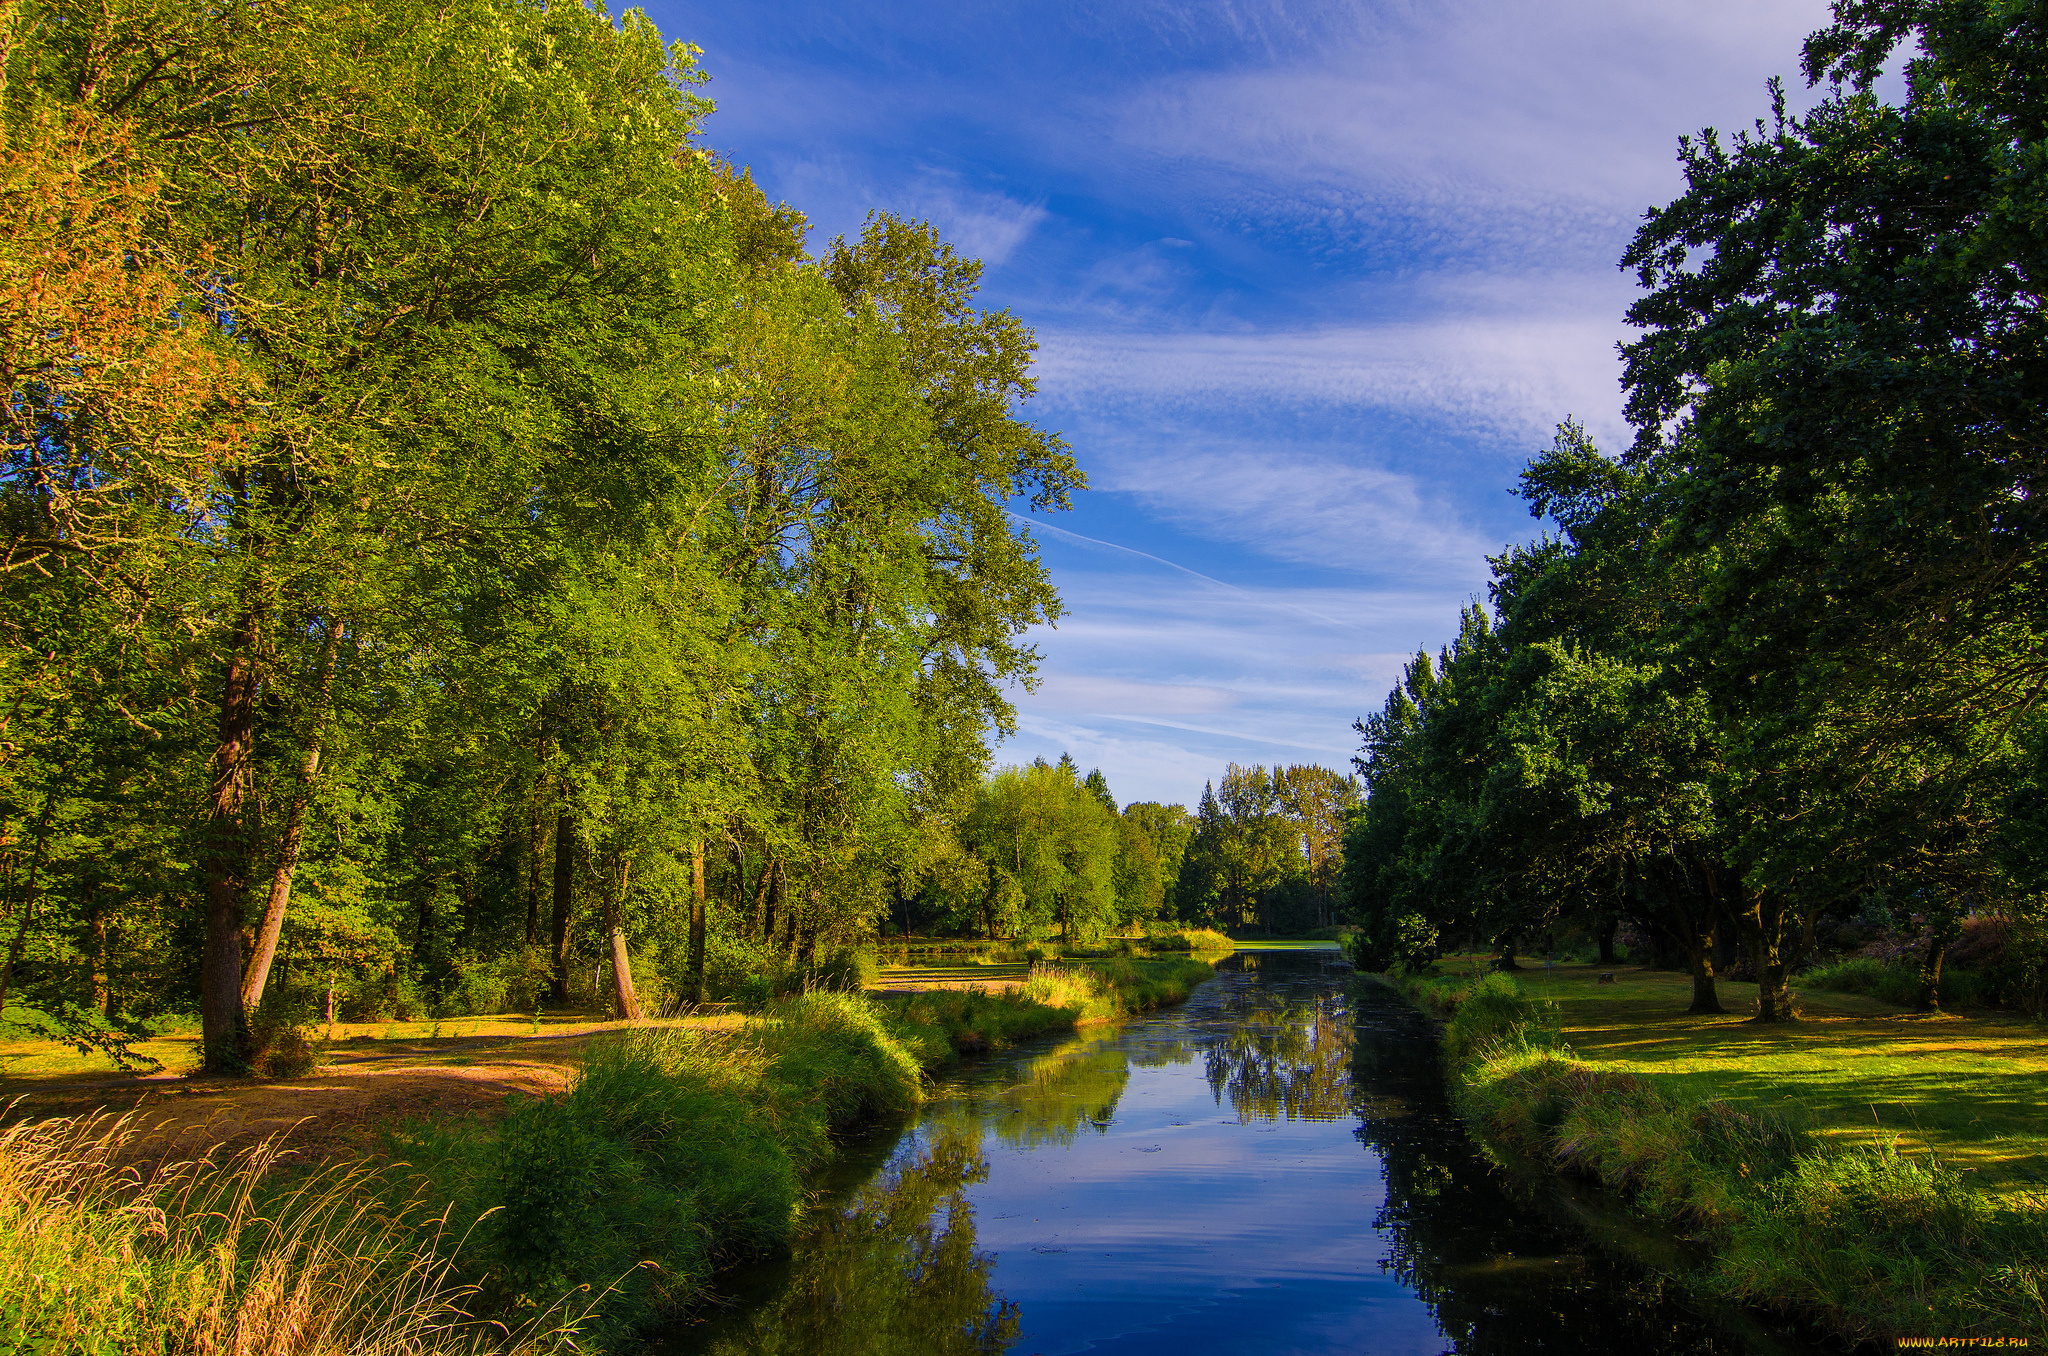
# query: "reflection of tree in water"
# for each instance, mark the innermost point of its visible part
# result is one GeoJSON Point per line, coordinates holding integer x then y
{"type": "Point", "coordinates": [1283, 1059]}
{"type": "Point", "coordinates": [1057, 1095]}
{"type": "Point", "coordinates": [1501, 1279]}
{"type": "Point", "coordinates": [894, 1272]}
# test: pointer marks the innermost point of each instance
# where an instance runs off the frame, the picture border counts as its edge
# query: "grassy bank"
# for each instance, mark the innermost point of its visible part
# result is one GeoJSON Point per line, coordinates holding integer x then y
{"type": "Point", "coordinates": [562, 1225]}
{"type": "Point", "coordinates": [1740, 1136]}
{"type": "Point", "coordinates": [946, 1022]}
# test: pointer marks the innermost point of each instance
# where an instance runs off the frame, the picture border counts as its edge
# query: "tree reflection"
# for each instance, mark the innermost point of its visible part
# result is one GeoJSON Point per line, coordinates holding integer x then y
{"type": "Point", "coordinates": [893, 1272]}
{"type": "Point", "coordinates": [1279, 1059]}
{"type": "Point", "coordinates": [1059, 1094]}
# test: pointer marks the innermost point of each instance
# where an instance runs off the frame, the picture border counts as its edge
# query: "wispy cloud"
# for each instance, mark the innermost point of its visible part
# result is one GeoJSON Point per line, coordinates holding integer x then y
{"type": "Point", "coordinates": [1502, 375]}
{"type": "Point", "coordinates": [1161, 679]}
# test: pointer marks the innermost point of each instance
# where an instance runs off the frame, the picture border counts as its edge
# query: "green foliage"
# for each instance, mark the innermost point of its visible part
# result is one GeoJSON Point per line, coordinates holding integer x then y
{"type": "Point", "coordinates": [1496, 1012]}
{"type": "Point", "coordinates": [1764, 671]}
{"type": "Point", "coordinates": [646, 560]}
{"type": "Point", "coordinates": [1892, 982]}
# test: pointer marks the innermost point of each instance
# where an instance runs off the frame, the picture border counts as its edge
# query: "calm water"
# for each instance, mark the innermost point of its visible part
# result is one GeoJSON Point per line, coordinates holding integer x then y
{"type": "Point", "coordinates": [1270, 1168]}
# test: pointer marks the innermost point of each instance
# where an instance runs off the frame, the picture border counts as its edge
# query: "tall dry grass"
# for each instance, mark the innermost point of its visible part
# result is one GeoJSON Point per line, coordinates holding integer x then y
{"type": "Point", "coordinates": [228, 1254]}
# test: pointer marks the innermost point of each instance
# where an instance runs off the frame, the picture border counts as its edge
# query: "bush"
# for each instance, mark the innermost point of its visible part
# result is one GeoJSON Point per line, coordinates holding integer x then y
{"type": "Point", "coordinates": [517, 981]}
{"type": "Point", "coordinates": [289, 1052]}
{"type": "Point", "coordinates": [1496, 1011]}
{"type": "Point", "coordinates": [281, 1041]}
{"type": "Point", "coordinates": [1893, 982]}
{"type": "Point", "coordinates": [1191, 939]}
{"type": "Point", "coordinates": [1407, 942]}
{"type": "Point", "coordinates": [847, 970]}
{"type": "Point", "coordinates": [388, 997]}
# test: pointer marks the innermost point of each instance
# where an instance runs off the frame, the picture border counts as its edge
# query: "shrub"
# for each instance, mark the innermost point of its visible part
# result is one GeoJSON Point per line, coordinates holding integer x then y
{"type": "Point", "coordinates": [380, 998]}
{"type": "Point", "coordinates": [1894, 982]}
{"type": "Point", "coordinates": [1191, 939]}
{"type": "Point", "coordinates": [1495, 1011]}
{"type": "Point", "coordinates": [517, 981]}
{"type": "Point", "coordinates": [289, 1052]}
{"type": "Point", "coordinates": [847, 970]}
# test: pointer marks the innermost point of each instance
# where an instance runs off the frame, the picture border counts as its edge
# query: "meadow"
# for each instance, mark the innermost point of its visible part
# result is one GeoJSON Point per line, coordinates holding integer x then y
{"type": "Point", "coordinates": [1882, 1172]}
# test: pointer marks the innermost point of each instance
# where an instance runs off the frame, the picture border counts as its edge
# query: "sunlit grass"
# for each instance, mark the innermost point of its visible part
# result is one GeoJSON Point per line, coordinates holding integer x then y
{"type": "Point", "coordinates": [26, 1064]}
{"type": "Point", "coordinates": [1855, 1070]}
{"type": "Point", "coordinates": [227, 1255]}
{"type": "Point", "coordinates": [1722, 1130]}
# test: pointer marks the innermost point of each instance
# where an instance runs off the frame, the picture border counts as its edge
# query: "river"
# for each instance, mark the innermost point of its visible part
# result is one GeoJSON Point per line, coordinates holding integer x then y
{"type": "Point", "coordinates": [1272, 1167]}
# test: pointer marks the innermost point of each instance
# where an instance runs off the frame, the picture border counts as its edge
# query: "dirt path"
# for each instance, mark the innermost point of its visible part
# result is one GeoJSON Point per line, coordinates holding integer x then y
{"type": "Point", "coordinates": [364, 1086]}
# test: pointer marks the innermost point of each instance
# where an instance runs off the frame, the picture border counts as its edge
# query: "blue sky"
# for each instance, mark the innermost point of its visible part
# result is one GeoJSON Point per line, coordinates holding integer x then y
{"type": "Point", "coordinates": [1311, 282]}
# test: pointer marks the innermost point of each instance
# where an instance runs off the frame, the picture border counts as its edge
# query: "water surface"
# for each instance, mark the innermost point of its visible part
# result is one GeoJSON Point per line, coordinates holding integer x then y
{"type": "Point", "coordinates": [1270, 1168]}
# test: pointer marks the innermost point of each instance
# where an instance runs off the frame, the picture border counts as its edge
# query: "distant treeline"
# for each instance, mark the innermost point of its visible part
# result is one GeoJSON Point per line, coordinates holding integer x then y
{"type": "Point", "coordinates": [1045, 850]}
{"type": "Point", "coordinates": [1783, 662]}
{"type": "Point", "coordinates": [453, 530]}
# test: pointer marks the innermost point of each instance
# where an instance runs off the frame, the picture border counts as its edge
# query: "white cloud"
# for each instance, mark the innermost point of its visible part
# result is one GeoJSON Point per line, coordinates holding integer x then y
{"type": "Point", "coordinates": [1510, 375]}
{"type": "Point", "coordinates": [1160, 677]}
{"type": "Point", "coordinates": [984, 226]}
{"type": "Point", "coordinates": [1471, 106]}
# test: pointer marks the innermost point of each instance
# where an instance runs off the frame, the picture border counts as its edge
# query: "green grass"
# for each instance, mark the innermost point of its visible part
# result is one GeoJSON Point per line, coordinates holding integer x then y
{"type": "Point", "coordinates": [1876, 1171]}
{"type": "Point", "coordinates": [570, 1221]}
{"type": "Point", "coordinates": [1854, 1070]}
{"type": "Point", "coordinates": [943, 1022]}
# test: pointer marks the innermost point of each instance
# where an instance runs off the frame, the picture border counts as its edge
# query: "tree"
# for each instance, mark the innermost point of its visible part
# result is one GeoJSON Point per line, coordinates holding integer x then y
{"type": "Point", "coordinates": [1166, 829]}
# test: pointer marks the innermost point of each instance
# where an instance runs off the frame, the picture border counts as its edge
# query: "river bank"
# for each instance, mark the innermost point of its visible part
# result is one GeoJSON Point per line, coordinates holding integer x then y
{"type": "Point", "coordinates": [1273, 1165]}
{"type": "Point", "coordinates": [569, 1220]}
{"type": "Point", "coordinates": [1741, 1139]}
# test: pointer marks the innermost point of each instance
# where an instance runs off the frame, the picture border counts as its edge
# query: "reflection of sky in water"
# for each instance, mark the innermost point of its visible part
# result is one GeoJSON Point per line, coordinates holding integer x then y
{"type": "Point", "coordinates": [1199, 1217]}
{"type": "Point", "coordinates": [1263, 1170]}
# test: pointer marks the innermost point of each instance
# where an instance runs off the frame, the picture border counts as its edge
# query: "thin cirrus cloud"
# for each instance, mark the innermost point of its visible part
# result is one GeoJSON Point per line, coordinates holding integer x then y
{"type": "Point", "coordinates": [1502, 374]}
{"type": "Point", "coordinates": [1161, 675]}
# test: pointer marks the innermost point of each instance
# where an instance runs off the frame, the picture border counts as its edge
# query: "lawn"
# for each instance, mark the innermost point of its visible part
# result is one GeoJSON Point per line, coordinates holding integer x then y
{"type": "Point", "coordinates": [1970, 1087]}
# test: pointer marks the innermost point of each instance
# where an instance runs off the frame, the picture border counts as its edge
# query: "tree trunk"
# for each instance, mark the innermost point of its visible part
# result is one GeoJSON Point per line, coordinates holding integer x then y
{"type": "Point", "coordinates": [624, 999]}
{"type": "Point", "coordinates": [224, 1032]}
{"type": "Point", "coordinates": [565, 882]}
{"type": "Point", "coordinates": [535, 845]}
{"type": "Point", "coordinates": [772, 885]}
{"type": "Point", "coordinates": [1506, 961]}
{"type": "Point", "coordinates": [1604, 935]}
{"type": "Point", "coordinates": [1699, 954]}
{"type": "Point", "coordinates": [761, 908]}
{"type": "Point", "coordinates": [1761, 919]}
{"type": "Point", "coordinates": [294, 829]}
{"type": "Point", "coordinates": [1929, 999]}
{"type": "Point", "coordinates": [696, 957]}
{"type": "Point", "coordinates": [1725, 946]}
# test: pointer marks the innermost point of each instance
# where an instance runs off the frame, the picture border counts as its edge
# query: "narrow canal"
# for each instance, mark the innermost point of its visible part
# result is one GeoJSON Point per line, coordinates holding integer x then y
{"type": "Point", "coordinates": [1272, 1167]}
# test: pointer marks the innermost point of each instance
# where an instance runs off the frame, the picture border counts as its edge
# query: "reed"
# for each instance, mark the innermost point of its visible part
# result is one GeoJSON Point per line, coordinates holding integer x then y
{"type": "Point", "coordinates": [102, 1253]}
